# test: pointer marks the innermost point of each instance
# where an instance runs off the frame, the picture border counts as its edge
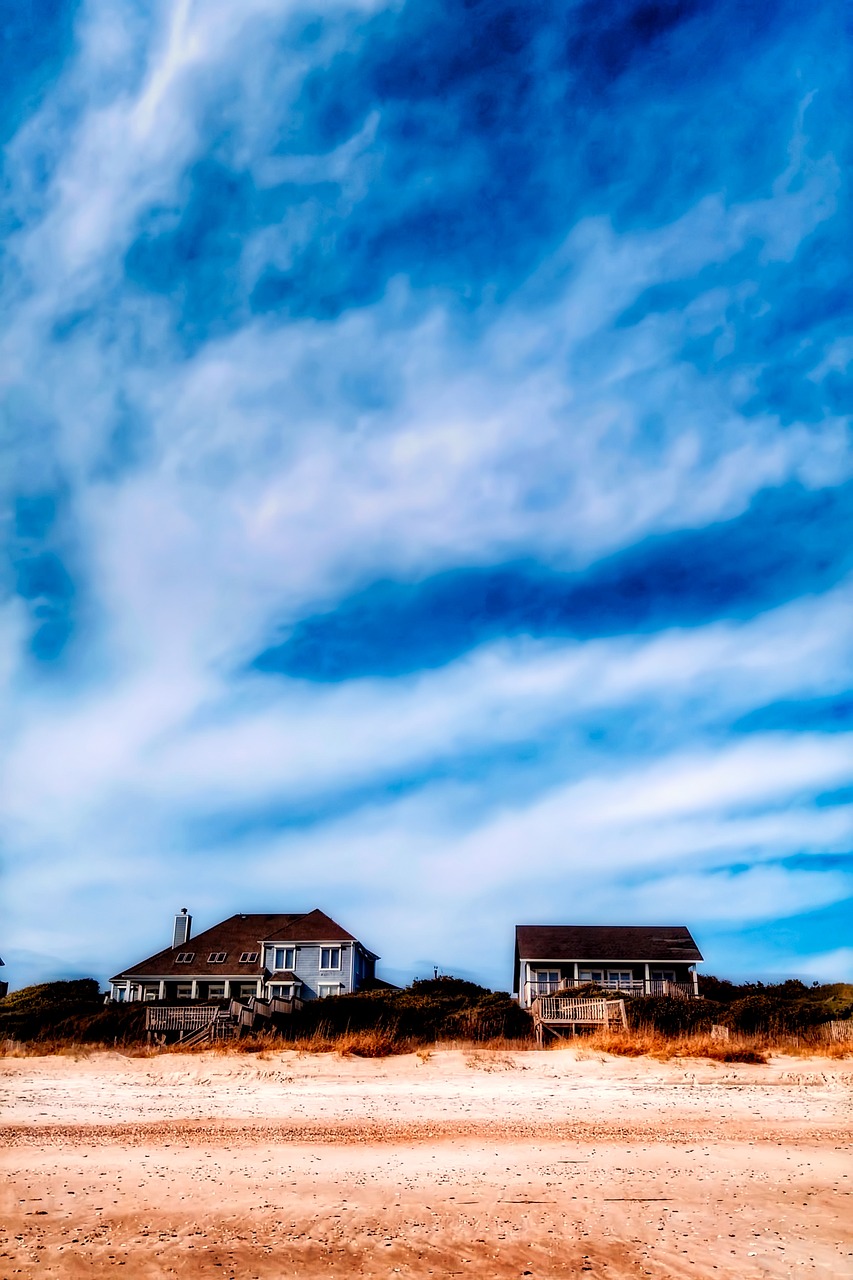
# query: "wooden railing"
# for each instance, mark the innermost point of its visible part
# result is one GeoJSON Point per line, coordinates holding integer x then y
{"type": "Point", "coordinates": [636, 987]}
{"type": "Point", "coordinates": [182, 1017]}
{"type": "Point", "coordinates": [196, 1022]}
{"type": "Point", "coordinates": [556, 1013]}
{"type": "Point", "coordinates": [562, 1009]}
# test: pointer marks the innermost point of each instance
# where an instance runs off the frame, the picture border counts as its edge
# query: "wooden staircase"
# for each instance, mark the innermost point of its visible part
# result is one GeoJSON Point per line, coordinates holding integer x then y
{"type": "Point", "coordinates": [560, 1012]}
{"type": "Point", "coordinates": [191, 1025]}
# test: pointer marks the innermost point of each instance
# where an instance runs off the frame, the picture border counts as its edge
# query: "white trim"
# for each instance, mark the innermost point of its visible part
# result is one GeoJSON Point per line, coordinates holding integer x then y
{"type": "Point", "coordinates": [336, 942]}
{"type": "Point", "coordinates": [213, 975]}
{"type": "Point", "coordinates": [271, 961]}
{"type": "Point", "coordinates": [645, 960]}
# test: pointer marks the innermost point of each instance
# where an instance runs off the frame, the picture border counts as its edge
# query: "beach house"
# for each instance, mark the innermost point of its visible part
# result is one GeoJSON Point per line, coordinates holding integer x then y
{"type": "Point", "coordinates": [304, 956]}
{"type": "Point", "coordinates": [631, 959]}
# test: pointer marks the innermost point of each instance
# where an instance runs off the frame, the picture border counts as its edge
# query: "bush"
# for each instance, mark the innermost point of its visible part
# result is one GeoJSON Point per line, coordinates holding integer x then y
{"type": "Point", "coordinates": [436, 1009]}
{"type": "Point", "coordinates": [761, 1012]}
{"type": "Point", "coordinates": [71, 1011]}
{"type": "Point", "coordinates": [671, 1017]}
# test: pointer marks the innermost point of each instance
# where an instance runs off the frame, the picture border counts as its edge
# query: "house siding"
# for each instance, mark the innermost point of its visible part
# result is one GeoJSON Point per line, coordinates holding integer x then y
{"type": "Point", "coordinates": [308, 971]}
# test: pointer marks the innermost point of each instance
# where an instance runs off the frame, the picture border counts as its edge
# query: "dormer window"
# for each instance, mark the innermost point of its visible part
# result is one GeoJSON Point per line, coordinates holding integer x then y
{"type": "Point", "coordinates": [185, 957]}
{"type": "Point", "coordinates": [217, 957]}
{"type": "Point", "coordinates": [249, 957]}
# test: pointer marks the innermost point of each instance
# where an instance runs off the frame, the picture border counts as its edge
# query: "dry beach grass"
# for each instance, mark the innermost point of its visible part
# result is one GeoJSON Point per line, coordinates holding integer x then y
{"type": "Point", "coordinates": [468, 1161]}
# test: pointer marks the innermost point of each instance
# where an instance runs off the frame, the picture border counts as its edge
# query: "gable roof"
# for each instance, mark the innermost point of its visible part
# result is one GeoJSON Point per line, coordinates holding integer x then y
{"type": "Point", "coordinates": [235, 936]}
{"type": "Point", "coordinates": [604, 942]}
{"type": "Point", "coordinates": [315, 926]}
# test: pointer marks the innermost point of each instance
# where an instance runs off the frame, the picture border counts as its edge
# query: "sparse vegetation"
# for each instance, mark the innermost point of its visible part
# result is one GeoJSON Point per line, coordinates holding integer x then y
{"type": "Point", "coordinates": [70, 1017]}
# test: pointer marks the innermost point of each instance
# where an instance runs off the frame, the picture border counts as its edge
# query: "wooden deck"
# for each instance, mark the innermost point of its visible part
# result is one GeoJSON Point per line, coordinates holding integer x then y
{"type": "Point", "coordinates": [560, 1012]}
{"type": "Point", "coordinates": [191, 1024]}
{"type": "Point", "coordinates": [638, 987]}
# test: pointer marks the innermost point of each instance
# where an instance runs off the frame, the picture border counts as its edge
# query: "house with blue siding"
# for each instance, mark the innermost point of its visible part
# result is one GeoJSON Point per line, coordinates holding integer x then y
{"type": "Point", "coordinates": [305, 956]}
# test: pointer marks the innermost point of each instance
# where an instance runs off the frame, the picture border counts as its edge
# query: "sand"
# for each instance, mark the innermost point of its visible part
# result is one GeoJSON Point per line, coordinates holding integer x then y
{"type": "Point", "coordinates": [485, 1164]}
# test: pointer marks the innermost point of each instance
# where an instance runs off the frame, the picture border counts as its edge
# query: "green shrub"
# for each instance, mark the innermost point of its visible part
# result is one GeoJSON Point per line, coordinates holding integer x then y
{"type": "Point", "coordinates": [671, 1017]}
{"type": "Point", "coordinates": [70, 1011]}
{"type": "Point", "coordinates": [436, 1009]}
{"type": "Point", "coordinates": [761, 1012]}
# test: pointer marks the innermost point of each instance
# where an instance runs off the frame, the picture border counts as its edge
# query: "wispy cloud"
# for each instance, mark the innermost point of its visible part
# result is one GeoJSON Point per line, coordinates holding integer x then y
{"type": "Point", "coordinates": [430, 467]}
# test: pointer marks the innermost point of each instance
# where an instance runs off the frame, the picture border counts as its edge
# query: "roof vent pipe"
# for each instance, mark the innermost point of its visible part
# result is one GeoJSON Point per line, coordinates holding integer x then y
{"type": "Point", "coordinates": [182, 929]}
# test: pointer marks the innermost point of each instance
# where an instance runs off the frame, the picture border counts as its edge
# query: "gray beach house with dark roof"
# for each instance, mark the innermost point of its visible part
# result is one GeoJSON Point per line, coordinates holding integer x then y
{"type": "Point", "coordinates": [635, 959]}
{"type": "Point", "coordinates": [305, 956]}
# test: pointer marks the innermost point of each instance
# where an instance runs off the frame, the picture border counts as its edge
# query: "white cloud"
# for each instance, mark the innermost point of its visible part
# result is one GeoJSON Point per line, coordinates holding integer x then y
{"type": "Point", "coordinates": [266, 484]}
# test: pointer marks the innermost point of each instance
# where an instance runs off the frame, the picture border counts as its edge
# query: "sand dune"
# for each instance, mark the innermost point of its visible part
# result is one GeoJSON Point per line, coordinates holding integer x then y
{"type": "Point", "coordinates": [478, 1164]}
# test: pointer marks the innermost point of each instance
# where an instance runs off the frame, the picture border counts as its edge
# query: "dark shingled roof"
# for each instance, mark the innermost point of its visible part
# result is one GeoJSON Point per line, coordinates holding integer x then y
{"type": "Point", "coordinates": [603, 942]}
{"type": "Point", "coordinates": [234, 936]}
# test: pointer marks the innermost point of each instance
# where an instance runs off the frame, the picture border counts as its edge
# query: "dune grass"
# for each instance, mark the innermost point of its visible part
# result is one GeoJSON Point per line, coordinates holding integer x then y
{"type": "Point", "coordinates": [70, 1018]}
{"type": "Point", "coordinates": [381, 1043]}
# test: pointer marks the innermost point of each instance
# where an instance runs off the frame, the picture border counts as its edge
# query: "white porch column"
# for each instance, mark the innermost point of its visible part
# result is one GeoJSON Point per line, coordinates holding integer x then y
{"type": "Point", "coordinates": [648, 981]}
{"type": "Point", "coordinates": [576, 973]}
{"type": "Point", "coordinates": [194, 989]}
{"type": "Point", "coordinates": [162, 992]}
{"type": "Point", "coordinates": [695, 982]}
{"type": "Point", "coordinates": [227, 989]}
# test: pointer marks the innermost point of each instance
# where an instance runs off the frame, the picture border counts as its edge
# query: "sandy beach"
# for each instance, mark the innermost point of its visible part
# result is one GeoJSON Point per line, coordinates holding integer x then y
{"type": "Point", "coordinates": [453, 1163]}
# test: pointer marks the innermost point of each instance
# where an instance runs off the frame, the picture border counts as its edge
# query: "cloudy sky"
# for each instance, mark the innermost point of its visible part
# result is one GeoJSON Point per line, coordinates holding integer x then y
{"type": "Point", "coordinates": [428, 489]}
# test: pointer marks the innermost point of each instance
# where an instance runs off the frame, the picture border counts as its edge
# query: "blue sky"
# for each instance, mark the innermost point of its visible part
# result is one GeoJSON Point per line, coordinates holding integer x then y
{"type": "Point", "coordinates": [429, 487]}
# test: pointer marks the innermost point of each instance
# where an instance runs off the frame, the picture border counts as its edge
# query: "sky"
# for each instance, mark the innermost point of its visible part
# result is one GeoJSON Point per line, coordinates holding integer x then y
{"type": "Point", "coordinates": [428, 485]}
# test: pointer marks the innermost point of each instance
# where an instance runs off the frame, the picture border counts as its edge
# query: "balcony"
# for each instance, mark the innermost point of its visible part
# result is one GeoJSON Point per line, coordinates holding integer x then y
{"type": "Point", "coordinates": [636, 987]}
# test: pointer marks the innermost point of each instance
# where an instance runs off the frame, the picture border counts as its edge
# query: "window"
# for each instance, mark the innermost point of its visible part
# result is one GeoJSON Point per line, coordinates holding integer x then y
{"type": "Point", "coordinates": [619, 977]}
{"type": "Point", "coordinates": [663, 975]}
{"type": "Point", "coordinates": [150, 993]}
{"type": "Point", "coordinates": [326, 989]}
{"type": "Point", "coordinates": [217, 957]}
{"type": "Point", "coordinates": [248, 957]}
{"type": "Point", "coordinates": [282, 990]}
{"type": "Point", "coordinates": [246, 989]}
{"type": "Point", "coordinates": [185, 957]}
{"type": "Point", "coordinates": [283, 957]}
{"type": "Point", "coordinates": [330, 957]}
{"type": "Point", "coordinates": [591, 975]}
{"type": "Point", "coordinates": [216, 991]}
{"type": "Point", "coordinates": [544, 982]}
{"type": "Point", "coordinates": [185, 991]}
